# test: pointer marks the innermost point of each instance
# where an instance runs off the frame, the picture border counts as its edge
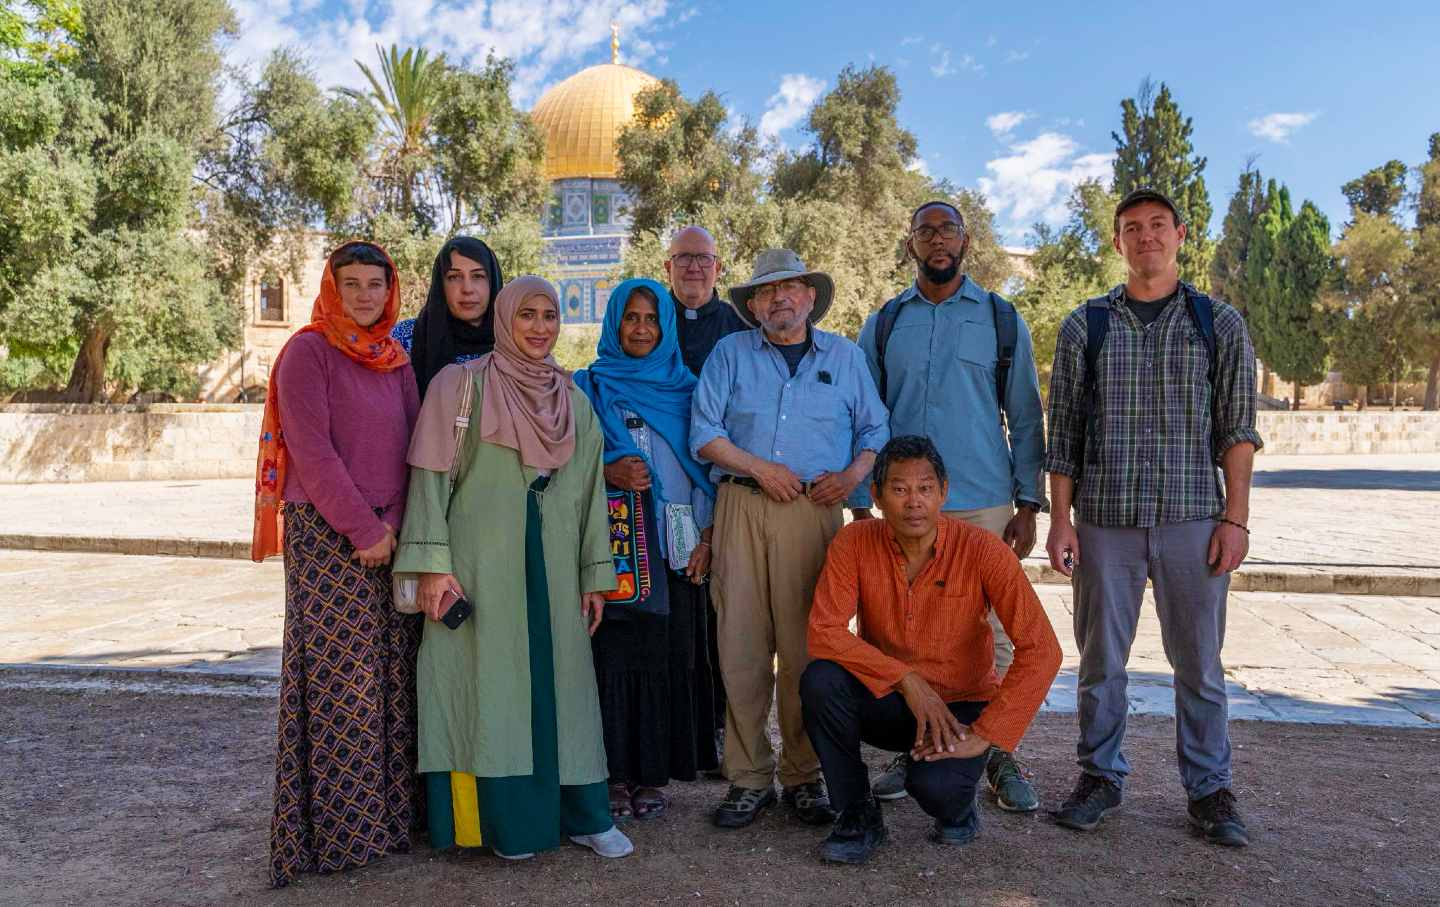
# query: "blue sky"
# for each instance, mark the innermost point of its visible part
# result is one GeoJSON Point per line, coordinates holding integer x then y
{"type": "Point", "coordinates": [1017, 100]}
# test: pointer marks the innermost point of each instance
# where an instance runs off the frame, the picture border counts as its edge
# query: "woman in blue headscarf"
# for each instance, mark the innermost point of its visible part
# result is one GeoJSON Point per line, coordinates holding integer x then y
{"type": "Point", "coordinates": [651, 652]}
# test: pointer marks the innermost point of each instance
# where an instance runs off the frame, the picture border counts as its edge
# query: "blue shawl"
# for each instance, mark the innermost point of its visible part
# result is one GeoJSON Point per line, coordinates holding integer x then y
{"type": "Point", "coordinates": [657, 387]}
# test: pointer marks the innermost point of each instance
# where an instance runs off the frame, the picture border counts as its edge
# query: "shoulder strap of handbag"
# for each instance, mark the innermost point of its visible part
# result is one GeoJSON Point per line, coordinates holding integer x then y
{"type": "Point", "coordinates": [462, 425]}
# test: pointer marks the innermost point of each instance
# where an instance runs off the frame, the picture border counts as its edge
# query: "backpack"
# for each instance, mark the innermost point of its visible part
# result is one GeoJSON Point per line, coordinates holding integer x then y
{"type": "Point", "coordinates": [1007, 335]}
{"type": "Point", "coordinates": [1097, 324]}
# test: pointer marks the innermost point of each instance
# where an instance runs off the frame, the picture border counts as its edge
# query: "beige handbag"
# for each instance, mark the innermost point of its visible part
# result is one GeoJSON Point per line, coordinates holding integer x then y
{"type": "Point", "coordinates": [406, 586]}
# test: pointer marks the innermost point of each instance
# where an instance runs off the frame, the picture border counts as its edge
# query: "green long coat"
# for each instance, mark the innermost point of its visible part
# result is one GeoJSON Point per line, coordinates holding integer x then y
{"type": "Point", "coordinates": [474, 682]}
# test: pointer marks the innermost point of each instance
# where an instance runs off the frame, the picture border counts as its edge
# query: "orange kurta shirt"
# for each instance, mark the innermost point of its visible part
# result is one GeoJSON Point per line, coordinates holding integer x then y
{"type": "Point", "coordinates": [936, 625]}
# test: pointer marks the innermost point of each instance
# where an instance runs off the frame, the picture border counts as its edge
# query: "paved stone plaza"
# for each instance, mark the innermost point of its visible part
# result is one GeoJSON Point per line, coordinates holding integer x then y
{"type": "Point", "coordinates": [1351, 524]}
{"type": "Point", "coordinates": [1371, 658]}
{"type": "Point", "coordinates": [1331, 658]}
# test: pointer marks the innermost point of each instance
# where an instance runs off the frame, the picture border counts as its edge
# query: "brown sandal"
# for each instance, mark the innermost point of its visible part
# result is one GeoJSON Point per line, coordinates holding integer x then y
{"type": "Point", "coordinates": [649, 803]}
{"type": "Point", "coordinates": [621, 807]}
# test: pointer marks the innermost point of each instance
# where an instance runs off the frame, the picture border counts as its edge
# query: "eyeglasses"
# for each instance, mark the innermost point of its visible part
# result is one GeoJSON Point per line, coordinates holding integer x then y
{"type": "Point", "coordinates": [704, 260]}
{"type": "Point", "coordinates": [766, 293]}
{"type": "Point", "coordinates": [949, 230]}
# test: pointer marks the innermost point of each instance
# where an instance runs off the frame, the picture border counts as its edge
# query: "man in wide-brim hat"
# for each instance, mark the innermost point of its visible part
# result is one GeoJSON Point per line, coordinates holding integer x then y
{"type": "Point", "coordinates": [788, 417]}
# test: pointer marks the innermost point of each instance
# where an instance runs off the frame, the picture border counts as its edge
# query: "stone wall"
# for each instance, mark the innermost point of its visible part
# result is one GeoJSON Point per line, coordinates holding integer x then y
{"type": "Point", "coordinates": [1349, 432]}
{"type": "Point", "coordinates": [47, 442]}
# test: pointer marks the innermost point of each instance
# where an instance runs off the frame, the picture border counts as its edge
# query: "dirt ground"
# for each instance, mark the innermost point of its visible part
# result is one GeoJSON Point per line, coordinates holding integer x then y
{"type": "Point", "coordinates": [121, 798]}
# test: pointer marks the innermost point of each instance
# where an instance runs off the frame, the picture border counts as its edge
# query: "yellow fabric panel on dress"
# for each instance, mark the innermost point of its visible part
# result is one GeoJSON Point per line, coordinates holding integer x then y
{"type": "Point", "coordinates": [466, 809]}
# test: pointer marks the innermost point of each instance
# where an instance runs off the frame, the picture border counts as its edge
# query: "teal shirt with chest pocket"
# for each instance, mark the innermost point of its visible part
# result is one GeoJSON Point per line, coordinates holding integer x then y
{"type": "Point", "coordinates": [940, 364]}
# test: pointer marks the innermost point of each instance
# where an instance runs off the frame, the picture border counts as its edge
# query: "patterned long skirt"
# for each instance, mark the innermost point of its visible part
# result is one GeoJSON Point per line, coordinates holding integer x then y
{"type": "Point", "coordinates": [346, 791]}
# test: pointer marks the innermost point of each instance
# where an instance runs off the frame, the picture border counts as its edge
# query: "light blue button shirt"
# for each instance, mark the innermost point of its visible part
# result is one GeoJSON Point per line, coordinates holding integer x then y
{"type": "Point", "coordinates": [814, 422]}
{"type": "Point", "coordinates": [940, 383]}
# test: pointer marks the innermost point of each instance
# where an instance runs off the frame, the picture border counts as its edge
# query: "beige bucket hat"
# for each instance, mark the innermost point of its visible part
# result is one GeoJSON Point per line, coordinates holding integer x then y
{"type": "Point", "coordinates": [773, 266]}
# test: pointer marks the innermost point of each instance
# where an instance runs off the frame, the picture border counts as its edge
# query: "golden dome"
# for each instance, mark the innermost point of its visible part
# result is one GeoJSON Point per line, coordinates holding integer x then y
{"type": "Point", "coordinates": [582, 116]}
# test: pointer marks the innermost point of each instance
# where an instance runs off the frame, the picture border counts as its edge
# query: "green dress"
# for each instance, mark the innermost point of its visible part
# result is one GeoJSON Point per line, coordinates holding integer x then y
{"type": "Point", "coordinates": [509, 697]}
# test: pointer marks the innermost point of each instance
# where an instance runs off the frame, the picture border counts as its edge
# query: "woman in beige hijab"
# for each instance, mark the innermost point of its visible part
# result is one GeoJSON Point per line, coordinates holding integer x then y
{"type": "Point", "coordinates": [523, 537]}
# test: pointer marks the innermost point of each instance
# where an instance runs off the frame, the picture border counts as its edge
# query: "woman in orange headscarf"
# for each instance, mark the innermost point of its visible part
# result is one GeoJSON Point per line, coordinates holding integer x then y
{"type": "Point", "coordinates": [338, 415]}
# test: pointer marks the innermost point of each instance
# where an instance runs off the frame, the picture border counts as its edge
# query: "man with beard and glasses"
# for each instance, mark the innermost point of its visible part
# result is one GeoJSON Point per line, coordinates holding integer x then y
{"type": "Point", "coordinates": [788, 417]}
{"type": "Point", "coordinates": [954, 363]}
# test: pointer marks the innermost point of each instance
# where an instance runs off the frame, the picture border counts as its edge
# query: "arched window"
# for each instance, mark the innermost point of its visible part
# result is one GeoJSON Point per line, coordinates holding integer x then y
{"type": "Point", "coordinates": [272, 298]}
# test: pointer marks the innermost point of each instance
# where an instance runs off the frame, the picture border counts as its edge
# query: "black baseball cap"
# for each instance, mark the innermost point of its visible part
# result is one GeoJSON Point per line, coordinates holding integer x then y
{"type": "Point", "coordinates": [1145, 194]}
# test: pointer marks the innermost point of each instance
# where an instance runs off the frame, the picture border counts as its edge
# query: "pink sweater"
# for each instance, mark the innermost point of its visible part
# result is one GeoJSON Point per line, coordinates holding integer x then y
{"type": "Point", "coordinates": [347, 429]}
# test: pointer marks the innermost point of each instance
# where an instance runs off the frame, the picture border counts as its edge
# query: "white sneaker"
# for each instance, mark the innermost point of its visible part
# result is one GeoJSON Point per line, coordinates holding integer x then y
{"type": "Point", "coordinates": [611, 844]}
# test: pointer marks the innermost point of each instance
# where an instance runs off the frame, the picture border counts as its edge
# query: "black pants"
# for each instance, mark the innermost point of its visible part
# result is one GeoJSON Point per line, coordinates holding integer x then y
{"type": "Point", "coordinates": [840, 713]}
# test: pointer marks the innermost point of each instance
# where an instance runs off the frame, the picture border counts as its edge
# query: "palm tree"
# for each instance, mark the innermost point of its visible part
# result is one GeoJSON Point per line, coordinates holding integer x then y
{"type": "Point", "coordinates": [405, 97]}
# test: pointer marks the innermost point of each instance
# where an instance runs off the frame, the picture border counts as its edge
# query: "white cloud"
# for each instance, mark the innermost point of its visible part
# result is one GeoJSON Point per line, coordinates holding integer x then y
{"type": "Point", "coordinates": [1017, 56]}
{"type": "Point", "coordinates": [1277, 127]}
{"type": "Point", "coordinates": [789, 105]}
{"type": "Point", "coordinates": [545, 38]}
{"type": "Point", "coordinates": [913, 39]}
{"type": "Point", "coordinates": [1004, 123]}
{"type": "Point", "coordinates": [943, 67]}
{"type": "Point", "coordinates": [919, 166]}
{"type": "Point", "coordinates": [1034, 180]}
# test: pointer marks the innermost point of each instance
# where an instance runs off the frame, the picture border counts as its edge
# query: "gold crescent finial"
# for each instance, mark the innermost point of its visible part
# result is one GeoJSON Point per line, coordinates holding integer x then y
{"type": "Point", "coordinates": [614, 42]}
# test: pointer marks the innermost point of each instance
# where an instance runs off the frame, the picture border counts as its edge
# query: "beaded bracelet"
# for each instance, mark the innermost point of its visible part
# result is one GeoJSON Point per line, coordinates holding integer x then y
{"type": "Point", "coordinates": [1241, 526]}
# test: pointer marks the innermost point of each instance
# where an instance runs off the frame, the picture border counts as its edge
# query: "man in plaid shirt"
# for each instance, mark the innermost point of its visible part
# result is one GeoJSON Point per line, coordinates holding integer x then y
{"type": "Point", "coordinates": [1135, 450]}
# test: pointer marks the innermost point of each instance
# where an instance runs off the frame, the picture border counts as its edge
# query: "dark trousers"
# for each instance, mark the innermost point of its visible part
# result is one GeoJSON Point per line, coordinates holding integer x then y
{"type": "Point", "coordinates": [840, 713]}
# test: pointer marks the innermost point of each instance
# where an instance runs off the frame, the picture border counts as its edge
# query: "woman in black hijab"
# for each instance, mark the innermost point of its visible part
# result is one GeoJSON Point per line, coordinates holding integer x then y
{"type": "Point", "coordinates": [458, 321]}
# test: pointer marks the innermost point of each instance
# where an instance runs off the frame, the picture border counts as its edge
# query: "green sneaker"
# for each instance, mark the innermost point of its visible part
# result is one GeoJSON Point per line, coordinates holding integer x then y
{"type": "Point", "coordinates": [1006, 779]}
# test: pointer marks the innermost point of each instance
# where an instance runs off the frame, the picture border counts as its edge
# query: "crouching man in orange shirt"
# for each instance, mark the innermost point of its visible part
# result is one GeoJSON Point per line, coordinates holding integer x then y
{"type": "Point", "coordinates": [921, 674]}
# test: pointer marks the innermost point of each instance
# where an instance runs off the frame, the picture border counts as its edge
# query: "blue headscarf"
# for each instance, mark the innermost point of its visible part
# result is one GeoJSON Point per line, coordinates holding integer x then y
{"type": "Point", "coordinates": [657, 387]}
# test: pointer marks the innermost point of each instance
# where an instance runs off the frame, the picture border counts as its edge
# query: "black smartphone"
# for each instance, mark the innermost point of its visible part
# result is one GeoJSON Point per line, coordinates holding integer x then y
{"type": "Point", "coordinates": [456, 614]}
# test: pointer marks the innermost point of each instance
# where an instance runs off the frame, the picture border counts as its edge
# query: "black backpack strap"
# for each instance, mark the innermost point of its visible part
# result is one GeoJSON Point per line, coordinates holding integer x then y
{"type": "Point", "coordinates": [1007, 337]}
{"type": "Point", "coordinates": [1202, 313]}
{"type": "Point", "coordinates": [884, 324]}
{"type": "Point", "coordinates": [1097, 325]}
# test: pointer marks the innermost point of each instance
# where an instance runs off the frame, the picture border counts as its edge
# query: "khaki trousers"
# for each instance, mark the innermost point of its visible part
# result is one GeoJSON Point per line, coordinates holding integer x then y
{"type": "Point", "coordinates": [993, 519]}
{"type": "Point", "coordinates": [767, 559]}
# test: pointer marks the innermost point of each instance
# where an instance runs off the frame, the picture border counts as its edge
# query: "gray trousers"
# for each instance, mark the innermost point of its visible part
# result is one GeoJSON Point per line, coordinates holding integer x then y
{"type": "Point", "coordinates": [1109, 585]}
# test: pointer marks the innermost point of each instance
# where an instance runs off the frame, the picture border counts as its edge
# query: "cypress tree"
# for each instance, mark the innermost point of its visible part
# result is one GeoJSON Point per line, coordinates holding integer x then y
{"type": "Point", "coordinates": [1154, 149]}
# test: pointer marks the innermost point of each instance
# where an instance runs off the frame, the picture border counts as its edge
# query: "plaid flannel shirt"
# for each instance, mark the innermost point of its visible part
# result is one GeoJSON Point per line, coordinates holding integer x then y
{"type": "Point", "coordinates": [1161, 429]}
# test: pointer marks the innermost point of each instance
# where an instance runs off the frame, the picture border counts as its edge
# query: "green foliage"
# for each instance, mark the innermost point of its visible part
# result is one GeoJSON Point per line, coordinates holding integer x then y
{"type": "Point", "coordinates": [678, 160]}
{"type": "Point", "coordinates": [843, 204]}
{"type": "Point", "coordinates": [38, 37]}
{"type": "Point", "coordinates": [96, 261]}
{"type": "Point", "coordinates": [154, 64]}
{"type": "Point", "coordinates": [1379, 191]}
{"type": "Point", "coordinates": [1069, 265]}
{"type": "Point", "coordinates": [576, 347]}
{"type": "Point", "coordinates": [1286, 270]}
{"type": "Point", "coordinates": [1228, 267]}
{"type": "Point", "coordinates": [286, 159]}
{"type": "Point", "coordinates": [1378, 341]}
{"type": "Point", "coordinates": [489, 156]}
{"type": "Point", "coordinates": [515, 240]}
{"type": "Point", "coordinates": [1154, 149]}
{"type": "Point", "coordinates": [405, 97]}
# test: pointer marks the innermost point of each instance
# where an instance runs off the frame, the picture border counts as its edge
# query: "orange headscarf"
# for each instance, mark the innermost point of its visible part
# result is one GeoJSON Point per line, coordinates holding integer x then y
{"type": "Point", "coordinates": [372, 347]}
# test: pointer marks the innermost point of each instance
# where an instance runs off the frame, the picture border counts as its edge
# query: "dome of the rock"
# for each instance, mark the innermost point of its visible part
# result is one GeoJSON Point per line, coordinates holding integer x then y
{"type": "Point", "coordinates": [582, 116]}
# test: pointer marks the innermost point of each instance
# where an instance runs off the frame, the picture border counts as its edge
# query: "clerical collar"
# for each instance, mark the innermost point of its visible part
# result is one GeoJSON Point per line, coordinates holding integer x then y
{"type": "Point", "coordinates": [705, 311]}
